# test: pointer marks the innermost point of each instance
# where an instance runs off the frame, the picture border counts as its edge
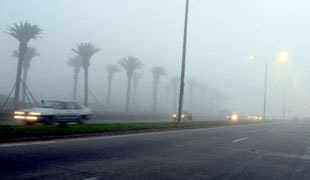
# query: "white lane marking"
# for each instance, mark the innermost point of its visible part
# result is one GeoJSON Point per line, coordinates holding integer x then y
{"type": "Point", "coordinates": [240, 139]}
{"type": "Point", "coordinates": [26, 143]}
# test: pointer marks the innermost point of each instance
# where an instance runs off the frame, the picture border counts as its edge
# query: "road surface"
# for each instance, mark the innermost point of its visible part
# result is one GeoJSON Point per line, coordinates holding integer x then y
{"type": "Point", "coordinates": [278, 150]}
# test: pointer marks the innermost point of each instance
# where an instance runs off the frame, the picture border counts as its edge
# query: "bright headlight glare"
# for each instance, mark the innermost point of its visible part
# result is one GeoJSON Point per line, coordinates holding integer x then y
{"type": "Point", "coordinates": [234, 117]}
{"type": "Point", "coordinates": [35, 113]}
{"type": "Point", "coordinates": [31, 118]}
{"type": "Point", "coordinates": [19, 117]}
{"type": "Point", "coordinates": [183, 116]}
{"type": "Point", "coordinates": [19, 113]}
{"type": "Point", "coordinates": [174, 115]}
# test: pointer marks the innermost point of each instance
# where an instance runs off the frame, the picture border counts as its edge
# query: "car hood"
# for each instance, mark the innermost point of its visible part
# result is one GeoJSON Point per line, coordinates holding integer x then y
{"type": "Point", "coordinates": [43, 111]}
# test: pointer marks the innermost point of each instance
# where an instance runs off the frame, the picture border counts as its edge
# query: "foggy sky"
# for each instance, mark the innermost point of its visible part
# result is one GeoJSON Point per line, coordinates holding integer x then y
{"type": "Point", "coordinates": [222, 35]}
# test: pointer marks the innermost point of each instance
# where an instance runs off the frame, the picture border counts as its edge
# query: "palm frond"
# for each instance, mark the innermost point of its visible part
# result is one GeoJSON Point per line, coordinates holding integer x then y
{"type": "Point", "coordinates": [130, 64]}
{"type": "Point", "coordinates": [86, 51]}
{"type": "Point", "coordinates": [24, 32]}
{"type": "Point", "coordinates": [159, 71]}
{"type": "Point", "coordinates": [112, 68]}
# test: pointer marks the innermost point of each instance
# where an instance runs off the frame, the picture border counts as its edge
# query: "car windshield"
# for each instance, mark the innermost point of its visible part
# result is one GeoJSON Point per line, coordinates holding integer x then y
{"type": "Point", "coordinates": [52, 104]}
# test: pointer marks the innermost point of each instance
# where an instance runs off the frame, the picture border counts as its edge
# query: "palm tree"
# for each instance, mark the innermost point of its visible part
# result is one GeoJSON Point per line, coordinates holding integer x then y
{"type": "Point", "coordinates": [130, 65]}
{"type": "Point", "coordinates": [86, 51]}
{"type": "Point", "coordinates": [175, 85]}
{"type": "Point", "coordinates": [112, 69]}
{"type": "Point", "coordinates": [23, 33]}
{"type": "Point", "coordinates": [136, 78]}
{"type": "Point", "coordinates": [157, 71]}
{"type": "Point", "coordinates": [76, 63]}
{"type": "Point", "coordinates": [30, 54]}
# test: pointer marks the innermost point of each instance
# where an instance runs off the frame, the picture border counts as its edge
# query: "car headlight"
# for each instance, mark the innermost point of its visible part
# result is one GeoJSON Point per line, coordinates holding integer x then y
{"type": "Point", "coordinates": [19, 113]}
{"type": "Point", "coordinates": [234, 117]}
{"type": "Point", "coordinates": [31, 118]}
{"type": "Point", "coordinates": [174, 115]}
{"type": "Point", "coordinates": [183, 116]}
{"type": "Point", "coordinates": [34, 114]}
{"type": "Point", "coordinates": [18, 117]}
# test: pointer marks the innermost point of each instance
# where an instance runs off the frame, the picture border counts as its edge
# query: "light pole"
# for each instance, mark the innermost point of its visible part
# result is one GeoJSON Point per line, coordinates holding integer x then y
{"type": "Point", "coordinates": [265, 91]}
{"type": "Point", "coordinates": [183, 64]}
{"type": "Point", "coordinates": [282, 58]}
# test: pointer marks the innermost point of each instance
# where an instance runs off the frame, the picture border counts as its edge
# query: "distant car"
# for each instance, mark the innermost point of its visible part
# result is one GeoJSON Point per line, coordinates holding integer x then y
{"type": "Point", "coordinates": [54, 111]}
{"type": "Point", "coordinates": [233, 117]}
{"type": "Point", "coordinates": [184, 117]}
{"type": "Point", "coordinates": [255, 117]}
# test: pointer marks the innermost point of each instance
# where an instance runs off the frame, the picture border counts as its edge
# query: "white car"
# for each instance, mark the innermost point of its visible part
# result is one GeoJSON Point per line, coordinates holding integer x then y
{"type": "Point", "coordinates": [54, 111]}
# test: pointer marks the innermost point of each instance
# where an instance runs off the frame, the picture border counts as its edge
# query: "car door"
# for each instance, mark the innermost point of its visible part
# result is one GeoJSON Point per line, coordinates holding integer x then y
{"type": "Point", "coordinates": [71, 111]}
{"type": "Point", "coordinates": [61, 111]}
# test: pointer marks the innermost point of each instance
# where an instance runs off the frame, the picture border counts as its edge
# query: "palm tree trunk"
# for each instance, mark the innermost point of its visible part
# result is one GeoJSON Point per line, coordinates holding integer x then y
{"type": "Point", "coordinates": [75, 79]}
{"type": "Point", "coordinates": [25, 74]}
{"type": "Point", "coordinates": [86, 86]}
{"type": "Point", "coordinates": [22, 51]}
{"type": "Point", "coordinates": [155, 87]}
{"type": "Point", "coordinates": [109, 90]}
{"type": "Point", "coordinates": [134, 93]}
{"type": "Point", "coordinates": [128, 93]}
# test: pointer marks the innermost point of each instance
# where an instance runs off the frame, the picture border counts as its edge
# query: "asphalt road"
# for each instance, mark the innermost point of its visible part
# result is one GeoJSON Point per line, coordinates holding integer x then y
{"type": "Point", "coordinates": [278, 150]}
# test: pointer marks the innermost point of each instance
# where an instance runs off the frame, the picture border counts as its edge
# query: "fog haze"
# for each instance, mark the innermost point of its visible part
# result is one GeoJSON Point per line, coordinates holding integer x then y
{"type": "Point", "coordinates": [222, 36]}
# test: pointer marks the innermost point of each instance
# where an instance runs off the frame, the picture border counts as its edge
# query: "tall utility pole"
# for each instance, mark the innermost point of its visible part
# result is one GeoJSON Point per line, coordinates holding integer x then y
{"type": "Point", "coordinates": [180, 109]}
{"type": "Point", "coordinates": [265, 91]}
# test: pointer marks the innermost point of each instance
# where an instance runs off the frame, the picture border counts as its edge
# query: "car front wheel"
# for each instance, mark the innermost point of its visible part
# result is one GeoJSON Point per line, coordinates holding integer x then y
{"type": "Point", "coordinates": [82, 120]}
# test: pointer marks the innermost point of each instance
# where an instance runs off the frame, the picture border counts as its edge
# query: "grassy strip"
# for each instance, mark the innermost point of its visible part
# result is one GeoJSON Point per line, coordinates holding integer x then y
{"type": "Point", "coordinates": [21, 131]}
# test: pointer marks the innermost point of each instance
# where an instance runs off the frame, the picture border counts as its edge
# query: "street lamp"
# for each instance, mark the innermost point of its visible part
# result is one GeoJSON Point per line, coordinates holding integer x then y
{"type": "Point", "coordinates": [183, 64]}
{"type": "Point", "coordinates": [282, 58]}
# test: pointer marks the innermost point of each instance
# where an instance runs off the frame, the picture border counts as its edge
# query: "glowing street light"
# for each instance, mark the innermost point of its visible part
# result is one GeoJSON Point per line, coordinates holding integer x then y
{"type": "Point", "coordinates": [283, 57]}
{"type": "Point", "coordinates": [252, 58]}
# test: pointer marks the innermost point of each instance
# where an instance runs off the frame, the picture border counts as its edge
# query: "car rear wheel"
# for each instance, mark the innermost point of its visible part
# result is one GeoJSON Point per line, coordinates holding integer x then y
{"type": "Point", "coordinates": [49, 121]}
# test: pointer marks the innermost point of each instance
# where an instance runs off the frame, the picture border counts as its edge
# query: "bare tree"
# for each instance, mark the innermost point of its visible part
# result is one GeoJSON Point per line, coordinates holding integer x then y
{"type": "Point", "coordinates": [23, 32]}
{"type": "Point", "coordinates": [130, 65]}
{"type": "Point", "coordinates": [86, 51]}
{"type": "Point", "coordinates": [157, 71]}
{"type": "Point", "coordinates": [76, 63]}
{"type": "Point", "coordinates": [112, 69]}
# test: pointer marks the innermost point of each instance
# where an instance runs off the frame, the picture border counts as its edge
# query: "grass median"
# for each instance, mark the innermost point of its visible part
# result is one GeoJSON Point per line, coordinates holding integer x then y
{"type": "Point", "coordinates": [8, 133]}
